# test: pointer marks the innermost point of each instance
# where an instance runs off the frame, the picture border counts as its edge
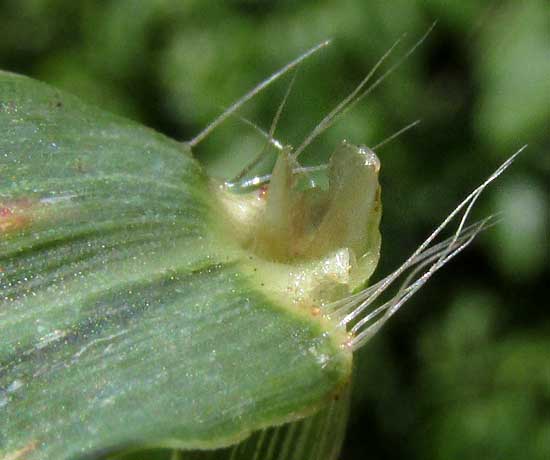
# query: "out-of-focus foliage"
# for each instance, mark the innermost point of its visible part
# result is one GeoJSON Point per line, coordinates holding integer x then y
{"type": "Point", "coordinates": [463, 371]}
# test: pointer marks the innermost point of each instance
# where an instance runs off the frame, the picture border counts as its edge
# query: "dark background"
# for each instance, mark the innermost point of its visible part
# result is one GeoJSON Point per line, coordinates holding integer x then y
{"type": "Point", "coordinates": [463, 371]}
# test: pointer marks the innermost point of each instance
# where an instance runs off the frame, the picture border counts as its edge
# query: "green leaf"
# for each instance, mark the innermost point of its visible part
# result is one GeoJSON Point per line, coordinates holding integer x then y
{"type": "Point", "coordinates": [128, 318]}
{"type": "Point", "coordinates": [318, 437]}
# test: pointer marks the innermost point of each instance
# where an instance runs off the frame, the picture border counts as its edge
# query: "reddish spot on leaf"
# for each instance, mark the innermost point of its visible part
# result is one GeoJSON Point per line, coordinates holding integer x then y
{"type": "Point", "coordinates": [315, 311]}
{"type": "Point", "coordinates": [21, 454]}
{"type": "Point", "coordinates": [15, 215]}
{"type": "Point", "coordinates": [262, 192]}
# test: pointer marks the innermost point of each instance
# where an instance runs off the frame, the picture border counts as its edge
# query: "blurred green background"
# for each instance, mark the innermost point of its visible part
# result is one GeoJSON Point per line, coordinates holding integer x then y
{"type": "Point", "coordinates": [463, 371]}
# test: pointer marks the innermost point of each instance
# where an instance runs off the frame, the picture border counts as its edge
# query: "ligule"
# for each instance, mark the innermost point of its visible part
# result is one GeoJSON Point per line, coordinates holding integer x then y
{"type": "Point", "coordinates": [313, 223]}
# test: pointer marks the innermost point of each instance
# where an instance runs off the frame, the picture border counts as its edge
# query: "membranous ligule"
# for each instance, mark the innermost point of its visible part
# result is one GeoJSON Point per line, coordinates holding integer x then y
{"type": "Point", "coordinates": [311, 245]}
